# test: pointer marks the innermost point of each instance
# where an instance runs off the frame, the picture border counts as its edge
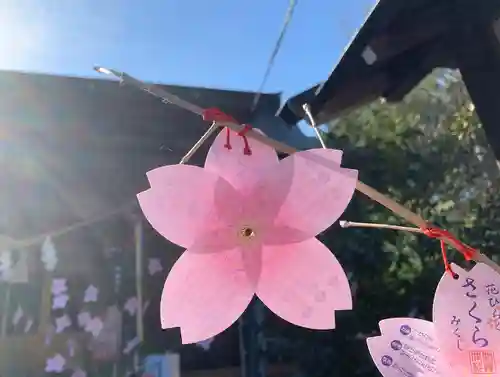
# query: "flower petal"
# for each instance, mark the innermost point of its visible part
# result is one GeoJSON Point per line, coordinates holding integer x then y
{"type": "Point", "coordinates": [278, 235]}
{"type": "Point", "coordinates": [187, 201]}
{"type": "Point", "coordinates": [239, 169]}
{"type": "Point", "coordinates": [252, 262]}
{"type": "Point", "coordinates": [307, 191]}
{"type": "Point", "coordinates": [217, 240]}
{"type": "Point", "coordinates": [303, 283]}
{"type": "Point", "coordinates": [204, 294]}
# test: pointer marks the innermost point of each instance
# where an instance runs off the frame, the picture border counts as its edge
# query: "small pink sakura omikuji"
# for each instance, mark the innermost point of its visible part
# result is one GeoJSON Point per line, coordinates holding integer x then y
{"type": "Point", "coordinates": [248, 222]}
{"type": "Point", "coordinates": [463, 339]}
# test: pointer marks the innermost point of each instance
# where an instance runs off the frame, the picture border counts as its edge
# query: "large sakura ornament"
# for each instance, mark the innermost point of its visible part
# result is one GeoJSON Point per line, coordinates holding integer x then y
{"type": "Point", "coordinates": [463, 340]}
{"type": "Point", "coordinates": [248, 222]}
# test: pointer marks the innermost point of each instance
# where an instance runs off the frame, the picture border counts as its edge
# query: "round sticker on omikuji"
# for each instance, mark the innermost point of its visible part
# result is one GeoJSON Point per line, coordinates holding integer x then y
{"type": "Point", "coordinates": [466, 315]}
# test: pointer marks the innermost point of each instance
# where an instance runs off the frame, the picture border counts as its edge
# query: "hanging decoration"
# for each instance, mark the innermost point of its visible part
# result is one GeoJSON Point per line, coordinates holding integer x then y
{"type": "Point", "coordinates": [131, 305]}
{"type": "Point", "coordinates": [154, 266]}
{"type": "Point", "coordinates": [5, 264]}
{"type": "Point", "coordinates": [83, 318]}
{"type": "Point", "coordinates": [105, 335]}
{"type": "Point", "coordinates": [59, 286]}
{"type": "Point", "coordinates": [18, 315]}
{"type": "Point", "coordinates": [79, 373]}
{"type": "Point", "coordinates": [14, 266]}
{"type": "Point", "coordinates": [131, 345]}
{"type": "Point", "coordinates": [49, 254]}
{"type": "Point", "coordinates": [463, 339]}
{"type": "Point", "coordinates": [55, 364]}
{"type": "Point", "coordinates": [248, 222]}
{"type": "Point", "coordinates": [407, 347]}
{"type": "Point", "coordinates": [60, 301]}
{"type": "Point", "coordinates": [62, 323]}
{"type": "Point", "coordinates": [466, 315]}
{"type": "Point", "coordinates": [205, 344]}
{"type": "Point", "coordinates": [91, 294]}
{"type": "Point", "coordinates": [106, 345]}
{"type": "Point", "coordinates": [28, 325]}
{"type": "Point", "coordinates": [94, 326]}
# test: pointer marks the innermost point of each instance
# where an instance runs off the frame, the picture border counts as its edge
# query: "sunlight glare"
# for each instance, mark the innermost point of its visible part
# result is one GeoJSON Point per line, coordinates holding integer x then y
{"type": "Point", "coordinates": [22, 37]}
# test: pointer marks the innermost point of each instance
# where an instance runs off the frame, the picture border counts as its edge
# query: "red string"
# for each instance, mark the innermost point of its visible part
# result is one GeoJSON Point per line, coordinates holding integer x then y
{"type": "Point", "coordinates": [446, 237]}
{"type": "Point", "coordinates": [215, 115]}
{"type": "Point", "coordinates": [228, 139]}
{"type": "Point", "coordinates": [447, 265]}
{"type": "Point", "coordinates": [242, 133]}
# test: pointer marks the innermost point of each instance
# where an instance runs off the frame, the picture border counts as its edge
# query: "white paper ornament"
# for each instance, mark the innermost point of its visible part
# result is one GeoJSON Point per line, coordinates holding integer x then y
{"type": "Point", "coordinates": [131, 305]}
{"type": "Point", "coordinates": [79, 373]}
{"type": "Point", "coordinates": [131, 344]}
{"type": "Point", "coordinates": [28, 325]}
{"type": "Point", "coordinates": [60, 301]}
{"type": "Point", "coordinates": [18, 315]}
{"type": "Point", "coordinates": [18, 272]}
{"type": "Point", "coordinates": [62, 323]}
{"type": "Point", "coordinates": [205, 344]}
{"type": "Point", "coordinates": [154, 266]}
{"type": "Point", "coordinates": [5, 264]}
{"type": "Point", "coordinates": [94, 326]}
{"type": "Point", "coordinates": [83, 319]}
{"type": "Point", "coordinates": [91, 294]}
{"type": "Point", "coordinates": [59, 285]}
{"type": "Point", "coordinates": [55, 364]}
{"type": "Point", "coordinates": [49, 255]}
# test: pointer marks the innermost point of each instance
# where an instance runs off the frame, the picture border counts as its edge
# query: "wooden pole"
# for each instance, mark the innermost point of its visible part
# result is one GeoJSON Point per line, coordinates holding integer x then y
{"type": "Point", "coordinates": [6, 310]}
{"type": "Point", "coordinates": [138, 236]}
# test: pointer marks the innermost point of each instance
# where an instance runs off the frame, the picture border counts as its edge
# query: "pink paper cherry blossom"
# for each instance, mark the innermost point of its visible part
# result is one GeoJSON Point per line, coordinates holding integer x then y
{"type": "Point", "coordinates": [249, 223]}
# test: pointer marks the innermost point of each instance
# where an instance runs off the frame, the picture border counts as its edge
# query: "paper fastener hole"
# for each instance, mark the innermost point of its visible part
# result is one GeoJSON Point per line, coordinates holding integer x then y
{"type": "Point", "coordinates": [247, 232]}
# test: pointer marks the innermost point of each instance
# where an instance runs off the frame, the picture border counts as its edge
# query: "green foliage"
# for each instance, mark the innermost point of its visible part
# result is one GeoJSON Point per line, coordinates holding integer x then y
{"type": "Point", "coordinates": [430, 154]}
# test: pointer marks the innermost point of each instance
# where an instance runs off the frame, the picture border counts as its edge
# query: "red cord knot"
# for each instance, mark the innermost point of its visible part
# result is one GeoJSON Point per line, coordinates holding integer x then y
{"type": "Point", "coordinates": [446, 237]}
{"type": "Point", "coordinates": [216, 115]}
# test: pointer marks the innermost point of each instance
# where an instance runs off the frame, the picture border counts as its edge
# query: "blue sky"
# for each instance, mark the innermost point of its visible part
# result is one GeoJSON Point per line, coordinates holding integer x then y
{"type": "Point", "coordinates": [218, 43]}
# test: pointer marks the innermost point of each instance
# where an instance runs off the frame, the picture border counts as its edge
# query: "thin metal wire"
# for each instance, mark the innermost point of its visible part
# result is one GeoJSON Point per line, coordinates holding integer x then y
{"type": "Point", "coordinates": [288, 17]}
{"type": "Point", "coordinates": [307, 110]}
{"type": "Point", "coordinates": [352, 224]}
{"type": "Point", "coordinates": [199, 143]}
